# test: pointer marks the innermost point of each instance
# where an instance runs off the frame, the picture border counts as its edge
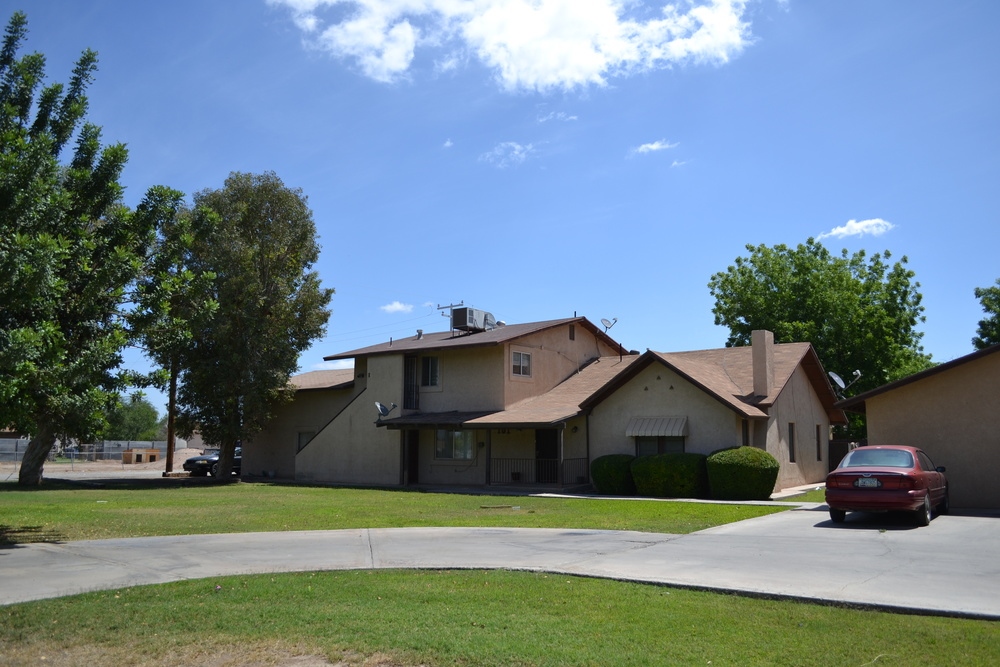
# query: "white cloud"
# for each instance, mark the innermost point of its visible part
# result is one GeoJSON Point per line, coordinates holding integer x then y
{"type": "Point", "coordinates": [556, 115]}
{"type": "Point", "coordinates": [508, 154]}
{"type": "Point", "coordinates": [678, 163]}
{"type": "Point", "coordinates": [874, 227]}
{"type": "Point", "coordinates": [654, 147]}
{"type": "Point", "coordinates": [448, 143]}
{"type": "Point", "coordinates": [396, 307]}
{"type": "Point", "coordinates": [528, 44]}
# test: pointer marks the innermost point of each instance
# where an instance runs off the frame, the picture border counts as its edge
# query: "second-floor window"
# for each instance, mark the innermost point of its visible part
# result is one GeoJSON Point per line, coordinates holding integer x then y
{"type": "Point", "coordinates": [429, 372]}
{"type": "Point", "coordinates": [522, 364]}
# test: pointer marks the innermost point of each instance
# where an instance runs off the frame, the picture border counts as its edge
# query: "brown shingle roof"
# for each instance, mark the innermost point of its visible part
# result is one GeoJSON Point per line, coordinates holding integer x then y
{"type": "Point", "coordinates": [564, 400]}
{"type": "Point", "coordinates": [322, 379]}
{"type": "Point", "coordinates": [727, 375]}
{"type": "Point", "coordinates": [447, 339]}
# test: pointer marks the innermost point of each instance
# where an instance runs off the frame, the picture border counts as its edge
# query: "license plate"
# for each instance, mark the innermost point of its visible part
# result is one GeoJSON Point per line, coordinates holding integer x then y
{"type": "Point", "coordinates": [867, 483]}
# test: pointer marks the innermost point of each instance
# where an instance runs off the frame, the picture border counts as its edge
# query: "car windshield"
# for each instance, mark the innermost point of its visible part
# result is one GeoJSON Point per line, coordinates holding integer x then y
{"type": "Point", "coordinates": [886, 458]}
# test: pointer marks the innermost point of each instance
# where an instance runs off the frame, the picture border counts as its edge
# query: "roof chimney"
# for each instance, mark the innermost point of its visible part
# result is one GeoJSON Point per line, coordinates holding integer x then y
{"type": "Point", "coordinates": [420, 334]}
{"type": "Point", "coordinates": [762, 344]}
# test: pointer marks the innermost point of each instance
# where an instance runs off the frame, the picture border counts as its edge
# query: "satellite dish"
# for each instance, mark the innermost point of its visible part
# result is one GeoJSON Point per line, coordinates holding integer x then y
{"type": "Point", "coordinates": [837, 380]}
{"type": "Point", "coordinates": [382, 410]}
{"type": "Point", "coordinates": [608, 323]}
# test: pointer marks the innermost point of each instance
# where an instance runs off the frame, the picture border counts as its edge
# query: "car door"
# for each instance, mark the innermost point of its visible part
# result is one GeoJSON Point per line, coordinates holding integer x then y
{"type": "Point", "coordinates": [935, 480]}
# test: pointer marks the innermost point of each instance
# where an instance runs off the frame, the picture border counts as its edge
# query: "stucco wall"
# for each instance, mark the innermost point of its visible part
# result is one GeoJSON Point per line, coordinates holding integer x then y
{"type": "Point", "coordinates": [351, 449]}
{"type": "Point", "coordinates": [469, 379]}
{"type": "Point", "coordinates": [659, 392]}
{"type": "Point", "coordinates": [954, 416]}
{"type": "Point", "coordinates": [799, 404]}
{"type": "Point", "coordinates": [444, 471]}
{"type": "Point", "coordinates": [274, 448]}
{"type": "Point", "coordinates": [554, 357]}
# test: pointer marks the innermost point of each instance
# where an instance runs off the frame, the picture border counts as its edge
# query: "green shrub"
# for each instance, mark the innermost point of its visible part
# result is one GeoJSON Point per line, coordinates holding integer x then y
{"type": "Point", "coordinates": [677, 475]}
{"type": "Point", "coordinates": [741, 473]}
{"type": "Point", "coordinates": [612, 476]}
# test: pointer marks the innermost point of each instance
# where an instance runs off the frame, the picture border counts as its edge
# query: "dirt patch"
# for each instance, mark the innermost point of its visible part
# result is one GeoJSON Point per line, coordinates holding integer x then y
{"type": "Point", "coordinates": [254, 655]}
{"type": "Point", "coordinates": [9, 469]}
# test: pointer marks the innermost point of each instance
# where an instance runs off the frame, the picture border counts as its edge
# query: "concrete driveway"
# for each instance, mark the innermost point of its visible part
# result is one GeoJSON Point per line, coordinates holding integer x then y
{"type": "Point", "coordinates": [949, 568]}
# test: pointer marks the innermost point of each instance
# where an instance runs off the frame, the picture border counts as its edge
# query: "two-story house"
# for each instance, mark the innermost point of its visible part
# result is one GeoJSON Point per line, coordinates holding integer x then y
{"type": "Point", "coordinates": [535, 403]}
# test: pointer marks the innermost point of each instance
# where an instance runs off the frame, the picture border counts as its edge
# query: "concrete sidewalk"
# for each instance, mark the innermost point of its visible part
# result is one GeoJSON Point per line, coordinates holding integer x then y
{"type": "Point", "coordinates": [948, 568]}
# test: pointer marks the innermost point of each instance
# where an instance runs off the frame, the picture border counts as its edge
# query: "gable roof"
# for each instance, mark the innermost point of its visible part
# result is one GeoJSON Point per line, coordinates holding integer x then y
{"type": "Point", "coordinates": [857, 403]}
{"type": "Point", "coordinates": [445, 340]}
{"type": "Point", "coordinates": [726, 374]}
{"type": "Point", "coordinates": [327, 379]}
{"type": "Point", "coordinates": [563, 401]}
{"type": "Point", "coordinates": [557, 405]}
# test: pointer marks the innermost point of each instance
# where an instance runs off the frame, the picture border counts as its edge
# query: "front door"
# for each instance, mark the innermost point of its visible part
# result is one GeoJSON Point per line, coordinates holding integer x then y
{"type": "Point", "coordinates": [546, 455]}
{"type": "Point", "coordinates": [412, 456]}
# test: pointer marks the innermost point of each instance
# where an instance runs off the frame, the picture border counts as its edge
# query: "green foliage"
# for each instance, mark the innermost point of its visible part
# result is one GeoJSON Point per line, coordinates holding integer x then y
{"type": "Point", "coordinates": [257, 238]}
{"type": "Point", "coordinates": [859, 313]}
{"type": "Point", "coordinates": [741, 473]}
{"type": "Point", "coordinates": [135, 419]}
{"type": "Point", "coordinates": [988, 331]}
{"type": "Point", "coordinates": [674, 475]}
{"type": "Point", "coordinates": [68, 252]}
{"type": "Point", "coordinates": [612, 476]}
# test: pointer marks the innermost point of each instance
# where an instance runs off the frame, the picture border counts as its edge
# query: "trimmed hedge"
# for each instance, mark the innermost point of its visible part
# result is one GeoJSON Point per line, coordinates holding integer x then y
{"type": "Point", "coordinates": [676, 475]}
{"type": "Point", "coordinates": [741, 473]}
{"type": "Point", "coordinates": [612, 475]}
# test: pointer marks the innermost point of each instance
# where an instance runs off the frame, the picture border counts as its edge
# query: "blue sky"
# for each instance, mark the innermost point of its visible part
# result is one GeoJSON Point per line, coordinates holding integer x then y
{"type": "Point", "coordinates": [540, 159]}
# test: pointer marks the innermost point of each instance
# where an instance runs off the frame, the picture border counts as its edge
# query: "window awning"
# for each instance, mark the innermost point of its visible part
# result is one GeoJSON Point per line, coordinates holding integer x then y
{"type": "Point", "coordinates": [657, 426]}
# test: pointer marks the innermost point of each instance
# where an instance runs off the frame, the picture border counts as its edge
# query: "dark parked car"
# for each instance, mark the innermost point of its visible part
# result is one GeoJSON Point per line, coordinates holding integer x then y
{"type": "Point", "coordinates": [888, 477]}
{"type": "Point", "coordinates": [208, 464]}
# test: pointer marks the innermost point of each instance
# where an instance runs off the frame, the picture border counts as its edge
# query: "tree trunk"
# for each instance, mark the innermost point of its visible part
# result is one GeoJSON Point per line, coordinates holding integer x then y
{"type": "Point", "coordinates": [171, 411]}
{"type": "Point", "coordinates": [227, 452]}
{"type": "Point", "coordinates": [34, 457]}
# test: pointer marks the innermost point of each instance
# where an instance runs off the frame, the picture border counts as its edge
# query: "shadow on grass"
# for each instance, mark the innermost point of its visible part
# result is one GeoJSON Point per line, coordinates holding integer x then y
{"type": "Point", "coordinates": [121, 483]}
{"type": "Point", "coordinates": [11, 536]}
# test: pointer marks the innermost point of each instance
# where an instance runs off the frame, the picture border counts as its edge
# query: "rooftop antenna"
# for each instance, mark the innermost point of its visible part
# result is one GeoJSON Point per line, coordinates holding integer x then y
{"type": "Point", "coordinates": [450, 314]}
{"type": "Point", "coordinates": [608, 323]}
{"type": "Point", "coordinates": [383, 411]}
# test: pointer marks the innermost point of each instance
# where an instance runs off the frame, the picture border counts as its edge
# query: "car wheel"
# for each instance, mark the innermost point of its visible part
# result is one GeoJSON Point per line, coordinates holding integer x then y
{"type": "Point", "coordinates": [215, 470]}
{"type": "Point", "coordinates": [924, 513]}
{"type": "Point", "coordinates": [945, 505]}
{"type": "Point", "coordinates": [837, 516]}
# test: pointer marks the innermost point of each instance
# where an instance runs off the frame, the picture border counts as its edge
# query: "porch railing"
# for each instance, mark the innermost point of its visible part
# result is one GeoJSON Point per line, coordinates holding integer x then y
{"type": "Point", "coordinates": [568, 472]}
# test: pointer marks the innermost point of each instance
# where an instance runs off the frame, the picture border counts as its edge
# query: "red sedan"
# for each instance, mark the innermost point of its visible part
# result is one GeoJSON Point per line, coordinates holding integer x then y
{"type": "Point", "coordinates": [887, 477]}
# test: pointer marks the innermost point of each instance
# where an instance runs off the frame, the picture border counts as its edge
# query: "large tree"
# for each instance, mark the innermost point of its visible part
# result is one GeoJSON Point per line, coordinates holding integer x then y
{"type": "Point", "coordinates": [988, 331]}
{"type": "Point", "coordinates": [258, 238]}
{"type": "Point", "coordinates": [68, 250]}
{"type": "Point", "coordinates": [859, 313]}
{"type": "Point", "coordinates": [133, 419]}
{"type": "Point", "coordinates": [170, 298]}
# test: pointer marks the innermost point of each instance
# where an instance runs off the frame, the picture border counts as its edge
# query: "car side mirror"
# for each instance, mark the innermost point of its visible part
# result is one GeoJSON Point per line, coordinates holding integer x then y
{"type": "Point", "coordinates": [940, 469]}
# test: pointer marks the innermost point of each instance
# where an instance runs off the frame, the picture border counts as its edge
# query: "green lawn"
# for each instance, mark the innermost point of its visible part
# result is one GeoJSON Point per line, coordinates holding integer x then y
{"type": "Point", "coordinates": [401, 618]}
{"type": "Point", "coordinates": [387, 617]}
{"type": "Point", "coordinates": [174, 507]}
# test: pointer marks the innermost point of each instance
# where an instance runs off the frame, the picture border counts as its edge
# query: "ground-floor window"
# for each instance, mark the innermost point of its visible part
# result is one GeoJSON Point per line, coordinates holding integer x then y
{"type": "Point", "coordinates": [455, 445]}
{"type": "Point", "coordinates": [647, 445]}
{"type": "Point", "coordinates": [303, 439]}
